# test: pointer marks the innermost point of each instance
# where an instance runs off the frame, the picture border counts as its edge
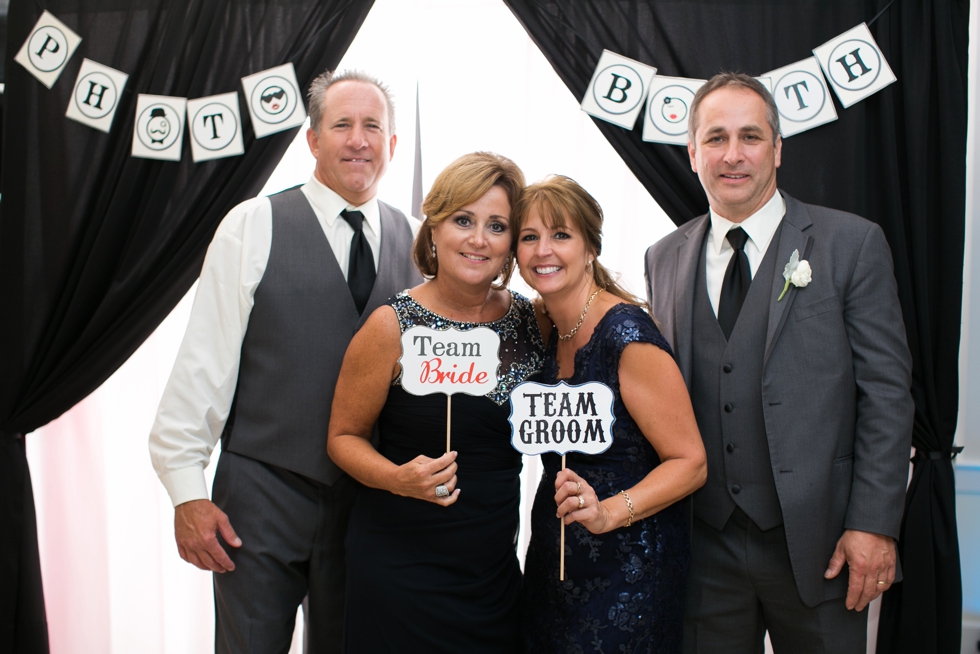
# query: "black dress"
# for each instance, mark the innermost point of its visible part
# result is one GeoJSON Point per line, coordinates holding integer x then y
{"type": "Point", "coordinates": [427, 578]}
{"type": "Point", "coordinates": [624, 590]}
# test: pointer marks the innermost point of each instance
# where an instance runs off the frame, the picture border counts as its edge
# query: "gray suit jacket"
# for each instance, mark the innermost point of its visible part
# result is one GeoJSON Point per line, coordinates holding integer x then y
{"type": "Point", "coordinates": [835, 382]}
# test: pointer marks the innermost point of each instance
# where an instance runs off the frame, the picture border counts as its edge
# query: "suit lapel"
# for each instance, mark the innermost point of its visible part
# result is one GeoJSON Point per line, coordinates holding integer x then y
{"type": "Point", "coordinates": [686, 274]}
{"type": "Point", "coordinates": [792, 237]}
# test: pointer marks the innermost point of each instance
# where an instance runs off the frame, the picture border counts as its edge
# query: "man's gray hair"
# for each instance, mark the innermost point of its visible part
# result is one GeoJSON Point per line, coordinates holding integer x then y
{"type": "Point", "coordinates": [319, 86]}
{"type": "Point", "coordinates": [738, 81]}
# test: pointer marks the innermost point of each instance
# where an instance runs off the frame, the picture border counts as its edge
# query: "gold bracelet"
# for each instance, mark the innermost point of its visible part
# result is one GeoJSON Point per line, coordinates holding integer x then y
{"type": "Point", "coordinates": [629, 505]}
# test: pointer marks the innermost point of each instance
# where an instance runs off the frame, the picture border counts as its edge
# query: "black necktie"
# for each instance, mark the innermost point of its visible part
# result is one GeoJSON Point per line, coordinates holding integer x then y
{"type": "Point", "coordinates": [360, 266]}
{"type": "Point", "coordinates": [736, 283]}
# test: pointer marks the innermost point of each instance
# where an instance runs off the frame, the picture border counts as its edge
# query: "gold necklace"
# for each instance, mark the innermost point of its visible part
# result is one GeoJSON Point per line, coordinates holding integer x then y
{"type": "Point", "coordinates": [581, 319]}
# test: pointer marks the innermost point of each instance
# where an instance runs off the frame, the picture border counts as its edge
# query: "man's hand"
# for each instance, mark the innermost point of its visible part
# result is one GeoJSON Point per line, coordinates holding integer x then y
{"type": "Point", "coordinates": [196, 524]}
{"type": "Point", "coordinates": [871, 559]}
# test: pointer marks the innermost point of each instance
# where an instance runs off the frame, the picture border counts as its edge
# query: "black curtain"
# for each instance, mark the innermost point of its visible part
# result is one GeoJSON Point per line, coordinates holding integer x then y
{"type": "Point", "coordinates": [96, 247]}
{"type": "Point", "coordinates": [897, 158]}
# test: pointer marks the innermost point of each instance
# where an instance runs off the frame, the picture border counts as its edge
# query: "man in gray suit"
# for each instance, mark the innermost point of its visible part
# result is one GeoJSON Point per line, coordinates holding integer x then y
{"type": "Point", "coordinates": [286, 283]}
{"type": "Point", "coordinates": [786, 324]}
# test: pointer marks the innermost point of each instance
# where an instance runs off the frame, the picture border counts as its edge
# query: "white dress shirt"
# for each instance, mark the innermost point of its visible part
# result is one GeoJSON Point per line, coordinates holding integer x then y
{"type": "Point", "coordinates": [199, 393]}
{"type": "Point", "coordinates": [760, 228]}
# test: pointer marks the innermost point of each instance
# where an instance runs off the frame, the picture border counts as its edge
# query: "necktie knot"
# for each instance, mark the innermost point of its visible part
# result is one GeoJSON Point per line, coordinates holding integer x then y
{"type": "Point", "coordinates": [354, 218]}
{"type": "Point", "coordinates": [737, 238]}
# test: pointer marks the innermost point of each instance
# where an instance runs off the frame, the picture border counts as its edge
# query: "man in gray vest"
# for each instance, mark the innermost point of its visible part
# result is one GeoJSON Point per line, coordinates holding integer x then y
{"type": "Point", "coordinates": [786, 324]}
{"type": "Point", "coordinates": [286, 283]}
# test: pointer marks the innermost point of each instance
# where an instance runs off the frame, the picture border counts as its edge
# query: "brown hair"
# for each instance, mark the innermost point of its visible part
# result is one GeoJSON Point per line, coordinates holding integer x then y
{"type": "Point", "coordinates": [738, 81]}
{"type": "Point", "coordinates": [463, 182]}
{"type": "Point", "coordinates": [560, 200]}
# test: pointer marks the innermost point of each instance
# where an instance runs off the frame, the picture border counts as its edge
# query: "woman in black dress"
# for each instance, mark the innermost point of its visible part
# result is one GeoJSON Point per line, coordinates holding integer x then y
{"type": "Point", "coordinates": [627, 541]}
{"type": "Point", "coordinates": [431, 547]}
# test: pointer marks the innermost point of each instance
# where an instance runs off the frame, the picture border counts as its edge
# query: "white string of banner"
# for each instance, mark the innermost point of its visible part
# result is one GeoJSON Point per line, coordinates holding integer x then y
{"type": "Point", "coordinates": [273, 98]}
{"type": "Point", "coordinates": [851, 64]}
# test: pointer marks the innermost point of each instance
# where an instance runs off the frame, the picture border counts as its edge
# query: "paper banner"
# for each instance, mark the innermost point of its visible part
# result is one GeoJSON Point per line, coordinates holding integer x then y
{"type": "Point", "coordinates": [668, 107]}
{"type": "Point", "coordinates": [617, 90]}
{"type": "Point", "coordinates": [274, 100]}
{"type": "Point", "coordinates": [449, 361]}
{"type": "Point", "coordinates": [47, 50]}
{"type": "Point", "coordinates": [215, 126]}
{"type": "Point", "coordinates": [801, 96]}
{"type": "Point", "coordinates": [561, 418]}
{"type": "Point", "coordinates": [159, 129]}
{"type": "Point", "coordinates": [854, 65]}
{"type": "Point", "coordinates": [96, 95]}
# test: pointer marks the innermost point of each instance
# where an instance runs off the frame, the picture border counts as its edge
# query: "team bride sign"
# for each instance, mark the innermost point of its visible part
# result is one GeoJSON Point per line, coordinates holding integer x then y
{"type": "Point", "coordinates": [561, 418]}
{"type": "Point", "coordinates": [449, 361]}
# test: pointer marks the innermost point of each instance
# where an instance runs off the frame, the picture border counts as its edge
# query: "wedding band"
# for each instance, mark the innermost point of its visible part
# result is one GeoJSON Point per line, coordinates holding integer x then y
{"type": "Point", "coordinates": [882, 583]}
{"type": "Point", "coordinates": [442, 491]}
{"type": "Point", "coordinates": [579, 491]}
{"type": "Point", "coordinates": [581, 501]}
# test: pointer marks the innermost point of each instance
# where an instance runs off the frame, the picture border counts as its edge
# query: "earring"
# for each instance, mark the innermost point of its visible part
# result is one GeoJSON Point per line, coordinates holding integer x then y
{"type": "Point", "coordinates": [588, 267]}
{"type": "Point", "coordinates": [433, 249]}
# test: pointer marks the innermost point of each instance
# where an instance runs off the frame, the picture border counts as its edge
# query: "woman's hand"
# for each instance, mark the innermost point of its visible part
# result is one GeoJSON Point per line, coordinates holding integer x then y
{"type": "Point", "coordinates": [420, 477]}
{"type": "Point", "coordinates": [577, 502]}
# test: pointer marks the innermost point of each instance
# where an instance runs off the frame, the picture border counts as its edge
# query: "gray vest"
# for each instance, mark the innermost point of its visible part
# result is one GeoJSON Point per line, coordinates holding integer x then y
{"type": "Point", "coordinates": [301, 322]}
{"type": "Point", "coordinates": [726, 390]}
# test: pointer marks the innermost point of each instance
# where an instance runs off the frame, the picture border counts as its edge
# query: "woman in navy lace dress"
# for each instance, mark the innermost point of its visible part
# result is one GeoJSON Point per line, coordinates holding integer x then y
{"type": "Point", "coordinates": [431, 546]}
{"type": "Point", "coordinates": [627, 542]}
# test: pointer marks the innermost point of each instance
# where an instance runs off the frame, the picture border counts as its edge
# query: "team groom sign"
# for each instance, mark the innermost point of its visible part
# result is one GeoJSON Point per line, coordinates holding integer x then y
{"type": "Point", "coordinates": [449, 361]}
{"type": "Point", "coordinates": [561, 418]}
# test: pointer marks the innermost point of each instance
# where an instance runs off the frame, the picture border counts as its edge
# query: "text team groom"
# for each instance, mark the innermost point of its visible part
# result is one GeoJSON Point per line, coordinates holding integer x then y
{"type": "Point", "coordinates": [802, 399]}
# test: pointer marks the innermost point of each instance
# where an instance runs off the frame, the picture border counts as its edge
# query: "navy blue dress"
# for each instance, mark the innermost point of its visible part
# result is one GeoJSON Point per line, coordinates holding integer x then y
{"type": "Point", "coordinates": [427, 578]}
{"type": "Point", "coordinates": [623, 591]}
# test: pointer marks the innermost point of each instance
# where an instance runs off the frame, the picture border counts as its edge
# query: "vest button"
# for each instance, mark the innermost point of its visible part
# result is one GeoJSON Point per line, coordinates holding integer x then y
{"type": "Point", "coordinates": [729, 408]}
{"type": "Point", "coordinates": [727, 367]}
{"type": "Point", "coordinates": [730, 447]}
{"type": "Point", "coordinates": [736, 489]}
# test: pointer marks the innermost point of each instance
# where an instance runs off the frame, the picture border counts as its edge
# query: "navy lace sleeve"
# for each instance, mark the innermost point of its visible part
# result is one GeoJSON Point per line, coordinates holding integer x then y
{"type": "Point", "coordinates": [629, 323]}
{"type": "Point", "coordinates": [599, 359]}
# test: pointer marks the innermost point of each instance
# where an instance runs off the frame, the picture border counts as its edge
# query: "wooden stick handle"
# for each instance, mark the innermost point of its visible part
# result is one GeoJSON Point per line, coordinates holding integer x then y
{"type": "Point", "coordinates": [449, 415]}
{"type": "Point", "coordinates": [561, 546]}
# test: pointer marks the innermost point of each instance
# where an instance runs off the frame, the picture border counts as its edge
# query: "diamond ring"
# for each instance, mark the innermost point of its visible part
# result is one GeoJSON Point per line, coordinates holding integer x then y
{"type": "Point", "coordinates": [581, 501]}
{"type": "Point", "coordinates": [442, 491]}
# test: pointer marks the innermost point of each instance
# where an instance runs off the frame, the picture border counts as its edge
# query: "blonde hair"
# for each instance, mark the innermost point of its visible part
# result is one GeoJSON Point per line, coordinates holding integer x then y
{"type": "Point", "coordinates": [463, 182]}
{"type": "Point", "coordinates": [560, 200]}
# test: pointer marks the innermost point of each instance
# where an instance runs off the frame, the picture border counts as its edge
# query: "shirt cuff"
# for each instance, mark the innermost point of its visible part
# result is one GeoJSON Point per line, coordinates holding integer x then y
{"type": "Point", "coordinates": [185, 485]}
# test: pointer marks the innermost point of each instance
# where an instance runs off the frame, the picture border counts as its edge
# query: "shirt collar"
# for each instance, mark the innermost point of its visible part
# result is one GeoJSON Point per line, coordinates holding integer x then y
{"type": "Point", "coordinates": [760, 226]}
{"type": "Point", "coordinates": [331, 204]}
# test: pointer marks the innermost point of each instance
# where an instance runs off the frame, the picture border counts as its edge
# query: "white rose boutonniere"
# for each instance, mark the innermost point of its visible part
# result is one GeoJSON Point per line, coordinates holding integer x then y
{"type": "Point", "coordinates": [797, 272]}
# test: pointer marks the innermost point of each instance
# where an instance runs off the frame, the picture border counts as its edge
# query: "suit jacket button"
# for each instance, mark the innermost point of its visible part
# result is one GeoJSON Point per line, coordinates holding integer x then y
{"type": "Point", "coordinates": [730, 448]}
{"type": "Point", "coordinates": [729, 408]}
{"type": "Point", "coordinates": [727, 367]}
{"type": "Point", "coordinates": [736, 489]}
